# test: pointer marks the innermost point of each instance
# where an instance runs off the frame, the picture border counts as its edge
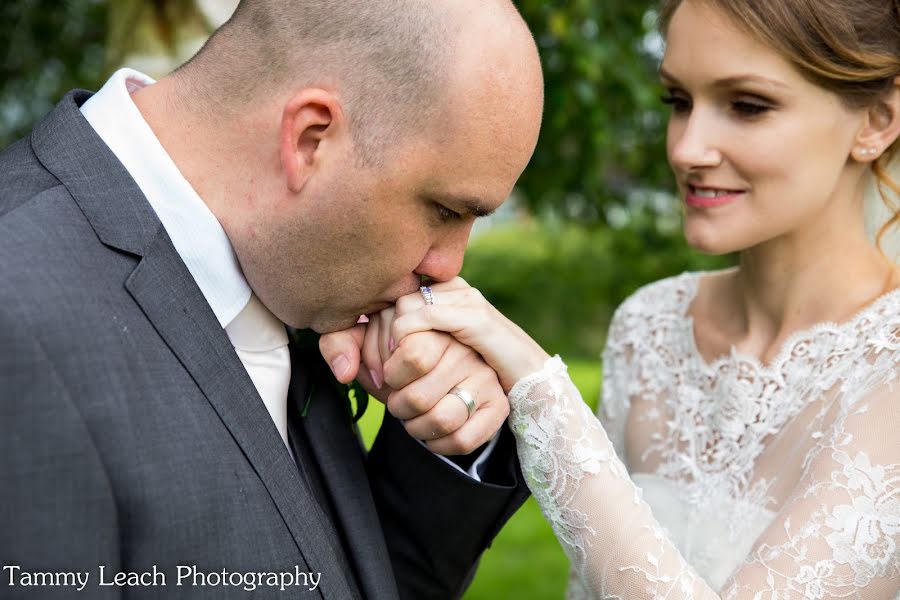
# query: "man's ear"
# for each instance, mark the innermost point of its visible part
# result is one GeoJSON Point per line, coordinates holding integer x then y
{"type": "Point", "coordinates": [310, 117]}
{"type": "Point", "coordinates": [882, 126]}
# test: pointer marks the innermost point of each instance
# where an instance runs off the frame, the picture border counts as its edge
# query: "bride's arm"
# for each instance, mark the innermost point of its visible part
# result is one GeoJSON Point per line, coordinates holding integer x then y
{"type": "Point", "coordinates": [837, 536]}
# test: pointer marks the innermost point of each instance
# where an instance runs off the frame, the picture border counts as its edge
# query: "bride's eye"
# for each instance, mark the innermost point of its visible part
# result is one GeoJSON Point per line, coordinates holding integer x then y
{"type": "Point", "coordinates": [679, 103]}
{"type": "Point", "coordinates": [750, 108]}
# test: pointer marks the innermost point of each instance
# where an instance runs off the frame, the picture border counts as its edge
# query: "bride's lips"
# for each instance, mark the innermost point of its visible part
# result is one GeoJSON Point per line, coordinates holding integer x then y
{"type": "Point", "coordinates": [709, 197]}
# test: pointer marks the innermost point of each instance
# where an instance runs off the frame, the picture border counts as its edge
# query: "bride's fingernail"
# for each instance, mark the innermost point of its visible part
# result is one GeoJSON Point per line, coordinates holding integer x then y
{"type": "Point", "coordinates": [391, 345]}
{"type": "Point", "coordinates": [376, 378]}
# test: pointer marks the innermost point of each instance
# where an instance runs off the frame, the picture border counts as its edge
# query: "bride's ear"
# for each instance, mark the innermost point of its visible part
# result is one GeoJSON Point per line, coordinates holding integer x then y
{"type": "Point", "coordinates": [881, 127]}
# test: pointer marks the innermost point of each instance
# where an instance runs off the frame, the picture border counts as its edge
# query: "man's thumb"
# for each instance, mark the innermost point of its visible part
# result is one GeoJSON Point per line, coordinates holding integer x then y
{"type": "Point", "coordinates": [341, 350]}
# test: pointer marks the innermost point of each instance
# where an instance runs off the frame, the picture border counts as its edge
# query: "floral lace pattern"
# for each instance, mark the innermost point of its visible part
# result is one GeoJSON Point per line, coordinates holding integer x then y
{"type": "Point", "coordinates": [809, 443]}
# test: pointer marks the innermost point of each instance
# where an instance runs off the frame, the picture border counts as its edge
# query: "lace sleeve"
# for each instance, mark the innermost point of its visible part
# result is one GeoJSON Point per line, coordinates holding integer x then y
{"type": "Point", "coordinates": [837, 536]}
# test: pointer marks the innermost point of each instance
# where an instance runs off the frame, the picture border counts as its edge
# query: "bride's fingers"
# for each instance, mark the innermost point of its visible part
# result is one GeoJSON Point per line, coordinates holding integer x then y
{"type": "Point", "coordinates": [457, 283]}
{"type": "Point", "coordinates": [457, 320]}
{"type": "Point", "coordinates": [416, 300]}
{"type": "Point", "coordinates": [502, 344]}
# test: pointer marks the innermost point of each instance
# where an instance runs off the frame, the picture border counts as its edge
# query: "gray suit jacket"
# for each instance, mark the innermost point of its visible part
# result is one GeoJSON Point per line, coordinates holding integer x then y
{"type": "Point", "coordinates": [131, 435]}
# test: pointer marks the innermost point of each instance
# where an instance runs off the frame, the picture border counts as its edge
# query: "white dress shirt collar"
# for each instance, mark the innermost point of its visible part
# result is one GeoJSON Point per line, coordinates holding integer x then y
{"type": "Point", "coordinates": [195, 232]}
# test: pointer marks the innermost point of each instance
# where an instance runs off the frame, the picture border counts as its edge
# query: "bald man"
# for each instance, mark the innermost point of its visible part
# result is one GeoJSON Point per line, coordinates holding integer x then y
{"type": "Point", "coordinates": [161, 433]}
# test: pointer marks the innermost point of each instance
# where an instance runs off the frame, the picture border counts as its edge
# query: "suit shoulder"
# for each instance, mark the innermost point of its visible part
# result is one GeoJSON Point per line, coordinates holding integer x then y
{"type": "Point", "coordinates": [22, 176]}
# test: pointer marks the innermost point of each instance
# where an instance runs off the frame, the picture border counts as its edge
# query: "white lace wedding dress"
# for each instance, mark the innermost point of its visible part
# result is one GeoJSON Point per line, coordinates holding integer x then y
{"type": "Point", "coordinates": [732, 479]}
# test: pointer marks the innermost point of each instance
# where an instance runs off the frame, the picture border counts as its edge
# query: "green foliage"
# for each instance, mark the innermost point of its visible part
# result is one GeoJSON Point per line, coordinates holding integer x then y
{"type": "Point", "coordinates": [604, 126]}
{"type": "Point", "coordinates": [48, 47]}
{"type": "Point", "coordinates": [562, 282]}
{"type": "Point", "coordinates": [603, 131]}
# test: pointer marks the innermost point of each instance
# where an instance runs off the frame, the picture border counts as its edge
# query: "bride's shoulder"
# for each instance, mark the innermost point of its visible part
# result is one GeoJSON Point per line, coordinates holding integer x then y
{"type": "Point", "coordinates": [671, 295]}
{"type": "Point", "coordinates": [653, 310]}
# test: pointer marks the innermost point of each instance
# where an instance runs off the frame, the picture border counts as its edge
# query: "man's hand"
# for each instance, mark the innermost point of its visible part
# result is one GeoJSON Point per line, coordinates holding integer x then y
{"type": "Point", "coordinates": [414, 380]}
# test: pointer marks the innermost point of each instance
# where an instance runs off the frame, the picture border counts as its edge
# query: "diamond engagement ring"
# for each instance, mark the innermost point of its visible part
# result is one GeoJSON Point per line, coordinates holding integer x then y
{"type": "Point", "coordinates": [466, 397]}
{"type": "Point", "coordinates": [427, 294]}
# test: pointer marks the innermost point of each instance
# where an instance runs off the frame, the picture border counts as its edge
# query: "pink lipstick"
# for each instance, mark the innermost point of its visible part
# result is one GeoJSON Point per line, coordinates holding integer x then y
{"type": "Point", "coordinates": [707, 197]}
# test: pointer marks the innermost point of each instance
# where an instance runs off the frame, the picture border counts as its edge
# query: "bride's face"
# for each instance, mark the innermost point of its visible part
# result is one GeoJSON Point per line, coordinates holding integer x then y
{"type": "Point", "coordinates": [759, 152]}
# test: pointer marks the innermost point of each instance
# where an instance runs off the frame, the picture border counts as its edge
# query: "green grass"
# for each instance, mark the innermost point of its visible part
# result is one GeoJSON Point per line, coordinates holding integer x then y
{"type": "Point", "coordinates": [525, 561]}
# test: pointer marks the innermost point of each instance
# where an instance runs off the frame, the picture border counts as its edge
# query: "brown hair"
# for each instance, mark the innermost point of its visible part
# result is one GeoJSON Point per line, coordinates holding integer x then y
{"type": "Point", "coordinates": [849, 47]}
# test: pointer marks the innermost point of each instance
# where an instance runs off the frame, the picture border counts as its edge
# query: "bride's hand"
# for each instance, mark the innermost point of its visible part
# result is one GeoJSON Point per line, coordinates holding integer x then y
{"type": "Point", "coordinates": [415, 379]}
{"type": "Point", "coordinates": [463, 312]}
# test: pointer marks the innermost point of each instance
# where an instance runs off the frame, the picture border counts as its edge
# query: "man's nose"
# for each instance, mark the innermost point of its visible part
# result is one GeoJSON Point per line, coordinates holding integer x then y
{"type": "Point", "coordinates": [444, 259]}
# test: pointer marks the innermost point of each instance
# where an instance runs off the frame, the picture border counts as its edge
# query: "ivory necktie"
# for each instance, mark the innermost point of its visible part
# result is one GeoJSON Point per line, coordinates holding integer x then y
{"type": "Point", "coordinates": [261, 342]}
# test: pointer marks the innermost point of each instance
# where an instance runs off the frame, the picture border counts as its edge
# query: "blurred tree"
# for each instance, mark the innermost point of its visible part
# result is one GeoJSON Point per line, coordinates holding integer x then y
{"type": "Point", "coordinates": [603, 128]}
{"type": "Point", "coordinates": [603, 136]}
{"type": "Point", "coordinates": [600, 159]}
{"type": "Point", "coordinates": [49, 47]}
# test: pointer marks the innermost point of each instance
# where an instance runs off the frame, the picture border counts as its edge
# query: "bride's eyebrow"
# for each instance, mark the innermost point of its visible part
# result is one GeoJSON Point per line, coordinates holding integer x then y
{"type": "Point", "coordinates": [663, 74]}
{"type": "Point", "coordinates": [733, 81]}
{"type": "Point", "coordinates": [738, 80]}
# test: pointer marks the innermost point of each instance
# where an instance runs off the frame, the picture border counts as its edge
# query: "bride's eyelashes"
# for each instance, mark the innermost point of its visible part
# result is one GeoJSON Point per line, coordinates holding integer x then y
{"type": "Point", "coordinates": [678, 103]}
{"type": "Point", "coordinates": [746, 107]}
{"type": "Point", "coordinates": [752, 106]}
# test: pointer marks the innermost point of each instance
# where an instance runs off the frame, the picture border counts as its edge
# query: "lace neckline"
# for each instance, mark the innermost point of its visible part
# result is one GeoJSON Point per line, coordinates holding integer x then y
{"type": "Point", "coordinates": [691, 281]}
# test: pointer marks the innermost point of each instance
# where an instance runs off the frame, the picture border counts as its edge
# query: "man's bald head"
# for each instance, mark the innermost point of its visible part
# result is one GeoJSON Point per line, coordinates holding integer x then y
{"type": "Point", "coordinates": [347, 146]}
{"type": "Point", "coordinates": [389, 59]}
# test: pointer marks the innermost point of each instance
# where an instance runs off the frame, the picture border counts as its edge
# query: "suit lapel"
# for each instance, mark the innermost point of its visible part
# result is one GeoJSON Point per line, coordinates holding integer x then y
{"type": "Point", "coordinates": [171, 300]}
{"type": "Point", "coordinates": [337, 451]}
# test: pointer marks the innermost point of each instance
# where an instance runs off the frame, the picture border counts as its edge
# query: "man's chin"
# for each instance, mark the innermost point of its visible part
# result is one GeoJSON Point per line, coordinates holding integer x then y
{"type": "Point", "coordinates": [333, 325]}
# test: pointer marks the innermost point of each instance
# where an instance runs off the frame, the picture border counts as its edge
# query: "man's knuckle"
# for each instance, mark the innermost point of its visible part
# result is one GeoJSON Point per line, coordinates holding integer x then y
{"type": "Point", "coordinates": [445, 424]}
{"type": "Point", "coordinates": [461, 444]}
{"type": "Point", "coordinates": [393, 405]}
{"type": "Point", "coordinates": [417, 402]}
{"type": "Point", "coordinates": [416, 360]}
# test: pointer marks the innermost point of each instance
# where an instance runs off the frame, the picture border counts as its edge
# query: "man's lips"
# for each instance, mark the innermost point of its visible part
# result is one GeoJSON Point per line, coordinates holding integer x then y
{"type": "Point", "coordinates": [710, 197]}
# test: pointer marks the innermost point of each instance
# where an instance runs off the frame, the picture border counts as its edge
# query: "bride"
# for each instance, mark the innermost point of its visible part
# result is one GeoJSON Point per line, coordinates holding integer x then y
{"type": "Point", "coordinates": [748, 444]}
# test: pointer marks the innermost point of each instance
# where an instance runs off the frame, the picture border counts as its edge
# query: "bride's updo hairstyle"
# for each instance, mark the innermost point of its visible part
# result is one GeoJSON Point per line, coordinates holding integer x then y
{"type": "Point", "coordinates": [848, 47]}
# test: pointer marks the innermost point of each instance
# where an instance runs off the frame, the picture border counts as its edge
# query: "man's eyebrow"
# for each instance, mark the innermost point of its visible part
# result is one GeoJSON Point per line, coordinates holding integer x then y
{"type": "Point", "coordinates": [471, 205]}
{"type": "Point", "coordinates": [730, 81]}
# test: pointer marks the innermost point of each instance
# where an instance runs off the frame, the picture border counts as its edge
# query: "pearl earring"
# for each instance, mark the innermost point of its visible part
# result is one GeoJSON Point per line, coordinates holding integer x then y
{"type": "Point", "coordinates": [868, 151]}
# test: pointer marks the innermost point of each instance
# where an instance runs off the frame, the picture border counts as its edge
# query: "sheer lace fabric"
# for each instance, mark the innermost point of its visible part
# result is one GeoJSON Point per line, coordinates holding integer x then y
{"type": "Point", "coordinates": [728, 479]}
